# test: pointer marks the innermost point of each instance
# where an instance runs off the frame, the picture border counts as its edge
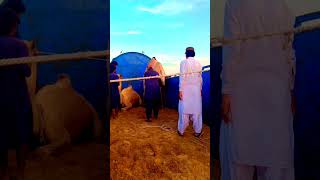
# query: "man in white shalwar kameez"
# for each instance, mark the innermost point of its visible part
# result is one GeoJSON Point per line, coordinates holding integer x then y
{"type": "Point", "coordinates": [190, 87]}
{"type": "Point", "coordinates": [257, 128]}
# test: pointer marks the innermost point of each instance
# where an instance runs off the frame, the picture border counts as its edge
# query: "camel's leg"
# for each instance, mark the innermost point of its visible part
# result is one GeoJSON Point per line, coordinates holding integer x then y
{"type": "Point", "coordinates": [57, 142]}
{"type": "Point", "coordinates": [98, 127]}
{"type": "Point", "coordinates": [32, 80]}
{"type": "Point", "coordinates": [128, 106]}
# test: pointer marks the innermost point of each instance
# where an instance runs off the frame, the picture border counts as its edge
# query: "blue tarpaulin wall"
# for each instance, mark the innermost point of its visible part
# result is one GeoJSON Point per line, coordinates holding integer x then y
{"type": "Point", "coordinates": [131, 65]}
{"type": "Point", "coordinates": [307, 93]}
{"type": "Point", "coordinates": [216, 65]}
{"type": "Point", "coordinates": [62, 26]}
{"type": "Point", "coordinates": [172, 95]}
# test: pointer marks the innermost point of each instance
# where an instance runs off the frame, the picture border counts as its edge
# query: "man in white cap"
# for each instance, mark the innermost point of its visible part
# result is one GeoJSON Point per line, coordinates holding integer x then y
{"type": "Point", "coordinates": [257, 129]}
{"type": "Point", "coordinates": [190, 94]}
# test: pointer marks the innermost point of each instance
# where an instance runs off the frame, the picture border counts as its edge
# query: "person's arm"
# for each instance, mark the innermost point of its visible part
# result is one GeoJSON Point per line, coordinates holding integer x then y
{"type": "Point", "coordinates": [292, 62]}
{"type": "Point", "coordinates": [230, 54]}
{"type": "Point", "coordinates": [200, 77]}
{"type": "Point", "coordinates": [120, 83]}
{"type": "Point", "coordinates": [291, 58]}
{"type": "Point", "coordinates": [119, 86]}
{"type": "Point", "coordinates": [289, 21]}
{"type": "Point", "coordinates": [181, 80]}
{"type": "Point", "coordinates": [144, 84]}
{"type": "Point", "coordinates": [23, 51]}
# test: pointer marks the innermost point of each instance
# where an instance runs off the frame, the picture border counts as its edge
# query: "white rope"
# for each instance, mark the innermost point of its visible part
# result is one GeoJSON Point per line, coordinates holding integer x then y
{"type": "Point", "coordinates": [155, 77]}
{"type": "Point", "coordinates": [162, 127]}
{"type": "Point", "coordinates": [50, 53]}
{"type": "Point", "coordinates": [53, 58]}
{"type": "Point", "coordinates": [218, 42]}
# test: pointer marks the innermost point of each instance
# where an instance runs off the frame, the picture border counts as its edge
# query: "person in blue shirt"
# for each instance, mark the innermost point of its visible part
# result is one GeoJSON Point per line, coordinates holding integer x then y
{"type": "Point", "coordinates": [15, 105]}
{"type": "Point", "coordinates": [152, 95]}
{"type": "Point", "coordinates": [115, 92]}
{"type": "Point", "coordinates": [115, 63]}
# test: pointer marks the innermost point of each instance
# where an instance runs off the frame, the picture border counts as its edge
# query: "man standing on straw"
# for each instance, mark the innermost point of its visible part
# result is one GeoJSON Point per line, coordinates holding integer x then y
{"type": "Point", "coordinates": [115, 92]}
{"type": "Point", "coordinates": [257, 128]}
{"type": "Point", "coordinates": [190, 94]}
{"type": "Point", "coordinates": [157, 66]}
{"type": "Point", "coordinates": [152, 93]}
{"type": "Point", "coordinates": [15, 105]}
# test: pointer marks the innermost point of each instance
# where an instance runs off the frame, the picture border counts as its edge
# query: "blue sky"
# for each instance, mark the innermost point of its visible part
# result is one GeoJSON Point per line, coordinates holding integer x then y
{"type": "Point", "coordinates": [161, 28]}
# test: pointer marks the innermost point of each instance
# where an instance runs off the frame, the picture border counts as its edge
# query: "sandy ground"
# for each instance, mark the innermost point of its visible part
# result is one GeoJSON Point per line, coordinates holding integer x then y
{"type": "Point", "coordinates": [81, 162]}
{"type": "Point", "coordinates": [142, 150]}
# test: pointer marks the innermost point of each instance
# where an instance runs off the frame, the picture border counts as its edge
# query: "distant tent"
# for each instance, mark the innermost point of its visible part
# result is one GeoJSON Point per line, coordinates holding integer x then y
{"type": "Point", "coordinates": [130, 65]}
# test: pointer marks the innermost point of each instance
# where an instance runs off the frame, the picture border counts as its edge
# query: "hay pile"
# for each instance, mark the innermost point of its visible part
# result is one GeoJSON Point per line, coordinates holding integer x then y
{"type": "Point", "coordinates": [139, 151]}
{"type": "Point", "coordinates": [81, 162]}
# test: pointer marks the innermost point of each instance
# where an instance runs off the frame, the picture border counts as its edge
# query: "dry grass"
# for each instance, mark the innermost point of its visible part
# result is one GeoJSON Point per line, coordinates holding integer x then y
{"type": "Point", "coordinates": [81, 162]}
{"type": "Point", "coordinates": [141, 152]}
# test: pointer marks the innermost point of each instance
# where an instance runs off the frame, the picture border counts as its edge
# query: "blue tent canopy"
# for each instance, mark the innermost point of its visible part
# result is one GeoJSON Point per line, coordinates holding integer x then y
{"type": "Point", "coordinates": [131, 65]}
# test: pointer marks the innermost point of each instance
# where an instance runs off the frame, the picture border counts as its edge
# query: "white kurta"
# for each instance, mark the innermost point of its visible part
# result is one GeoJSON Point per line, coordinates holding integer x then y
{"type": "Point", "coordinates": [190, 107]}
{"type": "Point", "coordinates": [257, 75]}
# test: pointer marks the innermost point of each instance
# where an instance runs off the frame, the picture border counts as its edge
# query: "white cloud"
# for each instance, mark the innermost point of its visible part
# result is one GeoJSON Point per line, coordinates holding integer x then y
{"type": "Point", "coordinates": [171, 64]}
{"type": "Point", "coordinates": [173, 7]}
{"type": "Point", "coordinates": [127, 33]}
{"type": "Point", "coordinates": [134, 32]}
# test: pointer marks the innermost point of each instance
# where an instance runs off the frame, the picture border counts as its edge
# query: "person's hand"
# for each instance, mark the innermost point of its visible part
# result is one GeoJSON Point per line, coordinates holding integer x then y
{"type": "Point", "coordinates": [180, 95]}
{"type": "Point", "coordinates": [226, 109]}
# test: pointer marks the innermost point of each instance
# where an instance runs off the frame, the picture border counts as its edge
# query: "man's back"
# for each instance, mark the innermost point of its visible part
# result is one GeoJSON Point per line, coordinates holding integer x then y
{"type": "Point", "coordinates": [12, 78]}
{"type": "Point", "coordinates": [114, 85]}
{"type": "Point", "coordinates": [152, 86]}
{"type": "Point", "coordinates": [251, 17]}
{"type": "Point", "coordinates": [12, 48]}
{"type": "Point", "coordinates": [190, 69]}
{"type": "Point", "coordinates": [261, 16]}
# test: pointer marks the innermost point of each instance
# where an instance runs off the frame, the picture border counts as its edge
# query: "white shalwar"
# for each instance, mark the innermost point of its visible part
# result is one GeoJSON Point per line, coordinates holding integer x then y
{"type": "Point", "coordinates": [257, 75]}
{"type": "Point", "coordinates": [190, 107]}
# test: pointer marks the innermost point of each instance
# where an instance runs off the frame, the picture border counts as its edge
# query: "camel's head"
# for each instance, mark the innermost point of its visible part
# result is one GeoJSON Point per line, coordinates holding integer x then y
{"type": "Point", "coordinates": [64, 81]}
